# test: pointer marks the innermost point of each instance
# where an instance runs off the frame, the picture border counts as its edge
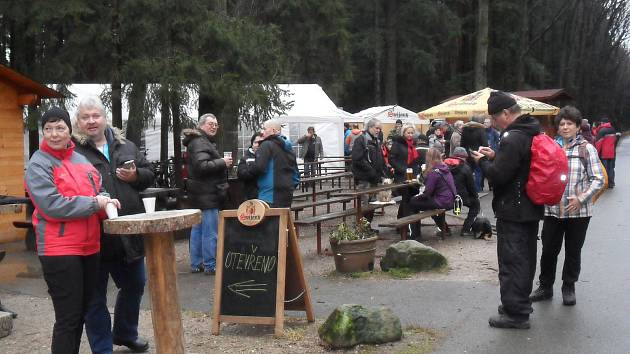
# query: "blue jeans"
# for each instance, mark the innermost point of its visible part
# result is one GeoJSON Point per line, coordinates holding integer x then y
{"type": "Point", "coordinates": [130, 279]}
{"type": "Point", "coordinates": [478, 178]}
{"type": "Point", "coordinates": [203, 240]}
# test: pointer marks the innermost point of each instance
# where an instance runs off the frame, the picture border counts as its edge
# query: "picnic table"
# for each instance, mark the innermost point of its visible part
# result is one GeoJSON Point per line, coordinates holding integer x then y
{"type": "Point", "coordinates": [329, 176]}
{"type": "Point", "coordinates": [372, 190]}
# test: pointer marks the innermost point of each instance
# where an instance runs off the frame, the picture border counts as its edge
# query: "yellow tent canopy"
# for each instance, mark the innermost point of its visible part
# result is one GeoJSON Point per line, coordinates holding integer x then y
{"type": "Point", "coordinates": [476, 103]}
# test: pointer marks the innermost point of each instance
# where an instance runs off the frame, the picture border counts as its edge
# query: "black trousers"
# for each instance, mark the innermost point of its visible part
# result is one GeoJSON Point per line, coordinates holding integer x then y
{"type": "Point", "coordinates": [473, 210]}
{"type": "Point", "coordinates": [573, 231]}
{"type": "Point", "coordinates": [516, 250]}
{"type": "Point", "coordinates": [404, 209]}
{"type": "Point", "coordinates": [71, 282]}
{"type": "Point", "coordinates": [609, 165]}
{"type": "Point", "coordinates": [420, 204]}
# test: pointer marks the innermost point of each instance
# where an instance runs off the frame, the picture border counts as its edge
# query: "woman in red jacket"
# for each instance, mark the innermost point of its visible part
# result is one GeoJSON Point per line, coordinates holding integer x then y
{"type": "Point", "coordinates": [66, 191]}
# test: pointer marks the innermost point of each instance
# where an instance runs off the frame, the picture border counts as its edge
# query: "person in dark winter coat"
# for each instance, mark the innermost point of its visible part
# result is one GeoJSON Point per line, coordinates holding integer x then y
{"type": "Point", "coordinates": [404, 156]}
{"type": "Point", "coordinates": [473, 137]}
{"type": "Point", "coordinates": [439, 190]}
{"type": "Point", "coordinates": [368, 164]}
{"type": "Point", "coordinates": [122, 257]}
{"type": "Point", "coordinates": [207, 188]}
{"type": "Point", "coordinates": [517, 217]}
{"type": "Point", "coordinates": [606, 144]}
{"type": "Point", "coordinates": [585, 131]}
{"type": "Point", "coordinates": [69, 200]}
{"type": "Point", "coordinates": [244, 173]}
{"type": "Point", "coordinates": [275, 167]}
{"type": "Point", "coordinates": [465, 185]}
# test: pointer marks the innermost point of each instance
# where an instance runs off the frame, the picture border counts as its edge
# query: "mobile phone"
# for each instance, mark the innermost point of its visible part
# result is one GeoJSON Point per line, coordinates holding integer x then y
{"type": "Point", "coordinates": [128, 164]}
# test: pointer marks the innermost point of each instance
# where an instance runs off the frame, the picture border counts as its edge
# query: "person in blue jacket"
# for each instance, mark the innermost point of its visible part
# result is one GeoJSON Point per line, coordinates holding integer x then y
{"type": "Point", "coordinates": [275, 167]}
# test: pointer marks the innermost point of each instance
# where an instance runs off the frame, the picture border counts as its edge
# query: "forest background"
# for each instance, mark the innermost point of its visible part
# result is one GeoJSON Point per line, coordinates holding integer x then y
{"type": "Point", "coordinates": [364, 53]}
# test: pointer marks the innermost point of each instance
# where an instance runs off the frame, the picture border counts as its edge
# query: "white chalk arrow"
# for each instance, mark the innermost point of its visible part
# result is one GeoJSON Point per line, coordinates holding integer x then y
{"type": "Point", "coordinates": [243, 287]}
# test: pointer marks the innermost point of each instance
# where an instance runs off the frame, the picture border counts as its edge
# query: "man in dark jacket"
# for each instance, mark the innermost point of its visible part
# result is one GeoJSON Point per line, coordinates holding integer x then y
{"type": "Point", "coordinates": [368, 164]}
{"type": "Point", "coordinates": [311, 150]}
{"type": "Point", "coordinates": [517, 217]}
{"type": "Point", "coordinates": [207, 190]}
{"type": "Point", "coordinates": [465, 185]}
{"type": "Point", "coordinates": [244, 173]}
{"type": "Point", "coordinates": [275, 167]}
{"type": "Point", "coordinates": [125, 173]}
{"type": "Point", "coordinates": [473, 137]}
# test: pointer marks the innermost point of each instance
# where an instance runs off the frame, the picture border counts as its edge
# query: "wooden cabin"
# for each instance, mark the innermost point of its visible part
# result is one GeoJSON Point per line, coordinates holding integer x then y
{"type": "Point", "coordinates": [16, 91]}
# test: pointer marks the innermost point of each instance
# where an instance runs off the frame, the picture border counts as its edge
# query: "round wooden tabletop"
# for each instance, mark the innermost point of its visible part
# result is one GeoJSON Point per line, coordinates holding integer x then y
{"type": "Point", "coordinates": [147, 223]}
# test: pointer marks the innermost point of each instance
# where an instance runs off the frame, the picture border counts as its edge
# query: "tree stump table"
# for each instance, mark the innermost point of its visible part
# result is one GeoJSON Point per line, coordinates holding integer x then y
{"type": "Point", "coordinates": [157, 229]}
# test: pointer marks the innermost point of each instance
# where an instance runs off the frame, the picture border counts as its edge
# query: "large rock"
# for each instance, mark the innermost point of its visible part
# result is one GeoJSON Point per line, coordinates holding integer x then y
{"type": "Point", "coordinates": [6, 324]}
{"type": "Point", "coordinates": [412, 254]}
{"type": "Point", "coordinates": [350, 325]}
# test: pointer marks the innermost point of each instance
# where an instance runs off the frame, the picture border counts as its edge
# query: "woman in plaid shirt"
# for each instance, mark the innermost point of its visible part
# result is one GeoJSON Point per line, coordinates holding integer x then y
{"type": "Point", "coordinates": [569, 219]}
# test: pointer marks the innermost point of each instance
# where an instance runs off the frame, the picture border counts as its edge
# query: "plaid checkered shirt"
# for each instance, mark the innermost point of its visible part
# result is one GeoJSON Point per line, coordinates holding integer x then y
{"type": "Point", "coordinates": [585, 179]}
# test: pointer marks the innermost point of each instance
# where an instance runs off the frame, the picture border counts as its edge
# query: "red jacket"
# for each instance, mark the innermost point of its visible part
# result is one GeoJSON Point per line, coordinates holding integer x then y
{"type": "Point", "coordinates": [605, 141]}
{"type": "Point", "coordinates": [62, 185]}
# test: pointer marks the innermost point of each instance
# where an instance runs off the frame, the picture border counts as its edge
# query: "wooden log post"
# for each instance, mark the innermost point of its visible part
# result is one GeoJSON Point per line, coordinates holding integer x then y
{"type": "Point", "coordinates": [157, 229]}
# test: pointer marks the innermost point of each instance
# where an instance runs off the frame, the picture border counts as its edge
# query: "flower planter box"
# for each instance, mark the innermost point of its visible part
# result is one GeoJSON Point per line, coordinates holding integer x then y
{"type": "Point", "coordinates": [355, 255]}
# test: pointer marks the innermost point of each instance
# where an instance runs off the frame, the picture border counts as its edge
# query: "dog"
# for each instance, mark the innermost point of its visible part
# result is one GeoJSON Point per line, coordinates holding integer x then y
{"type": "Point", "coordinates": [482, 226]}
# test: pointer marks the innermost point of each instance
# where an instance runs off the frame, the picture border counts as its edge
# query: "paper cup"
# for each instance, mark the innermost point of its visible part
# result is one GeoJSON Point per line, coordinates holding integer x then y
{"type": "Point", "coordinates": [149, 204]}
{"type": "Point", "coordinates": [111, 210]}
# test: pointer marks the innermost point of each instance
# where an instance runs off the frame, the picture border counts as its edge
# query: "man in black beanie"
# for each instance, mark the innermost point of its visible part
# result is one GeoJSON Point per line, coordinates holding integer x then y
{"type": "Point", "coordinates": [517, 217]}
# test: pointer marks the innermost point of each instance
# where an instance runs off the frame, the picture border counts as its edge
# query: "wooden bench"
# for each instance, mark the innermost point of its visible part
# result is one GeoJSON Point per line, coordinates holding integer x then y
{"type": "Point", "coordinates": [403, 223]}
{"type": "Point", "coordinates": [318, 219]}
{"type": "Point", "coordinates": [328, 192]}
{"type": "Point", "coordinates": [327, 202]}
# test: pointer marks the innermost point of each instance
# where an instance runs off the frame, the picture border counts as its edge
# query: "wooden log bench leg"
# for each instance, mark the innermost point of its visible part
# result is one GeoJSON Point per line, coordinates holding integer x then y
{"type": "Point", "coordinates": [319, 238]}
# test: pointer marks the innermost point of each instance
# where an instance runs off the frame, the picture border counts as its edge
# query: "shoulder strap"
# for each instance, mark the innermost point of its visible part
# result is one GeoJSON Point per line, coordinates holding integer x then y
{"type": "Point", "coordinates": [445, 181]}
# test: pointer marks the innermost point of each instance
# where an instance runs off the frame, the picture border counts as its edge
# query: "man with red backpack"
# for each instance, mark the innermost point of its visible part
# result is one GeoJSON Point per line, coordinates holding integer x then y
{"type": "Point", "coordinates": [606, 143]}
{"type": "Point", "coordinates": [517, 216]}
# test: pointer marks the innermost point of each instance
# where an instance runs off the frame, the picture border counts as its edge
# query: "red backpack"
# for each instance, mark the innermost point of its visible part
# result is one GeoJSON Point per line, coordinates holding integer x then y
{"type": "Point", "coordinates": [548, 171]}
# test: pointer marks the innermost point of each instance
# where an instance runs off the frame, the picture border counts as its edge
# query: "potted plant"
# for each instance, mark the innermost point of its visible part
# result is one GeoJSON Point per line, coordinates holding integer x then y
{"type": "Point", "coordinates": [353, 248]}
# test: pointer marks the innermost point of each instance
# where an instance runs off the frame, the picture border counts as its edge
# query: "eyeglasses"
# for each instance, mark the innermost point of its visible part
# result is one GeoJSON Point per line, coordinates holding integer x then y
{"type": "Point", "coordinates": [213, 124]}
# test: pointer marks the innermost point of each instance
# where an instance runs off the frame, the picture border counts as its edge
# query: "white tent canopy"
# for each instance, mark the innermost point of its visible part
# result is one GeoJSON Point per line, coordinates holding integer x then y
{"type": "Point", "coordinates": [312, 107]}
{"type": "Point", "coordinates": [387, 114]}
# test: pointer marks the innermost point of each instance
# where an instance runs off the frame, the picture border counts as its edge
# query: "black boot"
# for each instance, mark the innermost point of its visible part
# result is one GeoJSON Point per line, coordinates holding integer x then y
{"type": "Point", "coordinates": [568, 294]}
{"type": "Point", "coordinates": [505, 321]}
{"type": "Point", "coordinates": [542, 293]}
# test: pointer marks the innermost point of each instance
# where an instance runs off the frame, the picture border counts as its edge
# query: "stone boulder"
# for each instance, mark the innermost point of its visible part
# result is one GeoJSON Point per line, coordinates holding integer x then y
{"type": "Point", "coordinates": [412, 254]}
{"type": "Point", "coordinates": [350, 325]}
{"type": "Point", "coordinates": [6, 324]}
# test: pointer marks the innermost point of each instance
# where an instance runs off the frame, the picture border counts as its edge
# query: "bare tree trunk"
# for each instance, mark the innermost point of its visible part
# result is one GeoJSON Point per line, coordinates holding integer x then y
{"type": "Point", "coordinates": [378, 54]}
{"type": "Point", "coordinates": [135, 121]}
{"type": "Point", "coordinates": [481, 50]}
{"type": "Point", "coordinates": [524, 40]}
{"type": "Point", "coordinates": [164, 121]}
{"type": "Point", "coordinates": [391, 94]}
{"type": "Point", "coordinates": [116, 85]}
{"type": "Point", "coordinates": [177, 134]}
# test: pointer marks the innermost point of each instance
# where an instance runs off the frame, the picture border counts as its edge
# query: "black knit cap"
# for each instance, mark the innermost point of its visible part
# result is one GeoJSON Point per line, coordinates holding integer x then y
{"type": "Point", "coordinates": [54, 114]}
{"type": "Point", "coordinates": [499, 101]}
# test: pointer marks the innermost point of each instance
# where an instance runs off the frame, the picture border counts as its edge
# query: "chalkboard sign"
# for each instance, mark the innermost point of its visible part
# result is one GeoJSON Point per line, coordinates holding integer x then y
{"type": "Point", "coordinates": [258, 266]}
{"type": "Point", "coordinates": [250, 268]}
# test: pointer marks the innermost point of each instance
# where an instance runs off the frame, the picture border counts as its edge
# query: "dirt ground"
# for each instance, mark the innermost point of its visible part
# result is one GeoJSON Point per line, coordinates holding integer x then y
{"type": "Point", "coordinates": [469, 260]}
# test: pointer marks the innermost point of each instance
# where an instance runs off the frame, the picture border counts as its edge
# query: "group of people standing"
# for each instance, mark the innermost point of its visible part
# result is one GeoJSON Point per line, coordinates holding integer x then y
{"type": "Point", "coordinates": [77, 171]}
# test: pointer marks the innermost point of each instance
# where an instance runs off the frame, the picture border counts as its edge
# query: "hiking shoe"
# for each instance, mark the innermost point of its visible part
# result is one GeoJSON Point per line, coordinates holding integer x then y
{"type": "Point", "coordinates": [542, 293]}
{"type": "Point", "coordinates": [198, 269]}
{"type": "Point", "coordinates": [568, 294]}
{"type": "Point", "coordinates": [505, 321]}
